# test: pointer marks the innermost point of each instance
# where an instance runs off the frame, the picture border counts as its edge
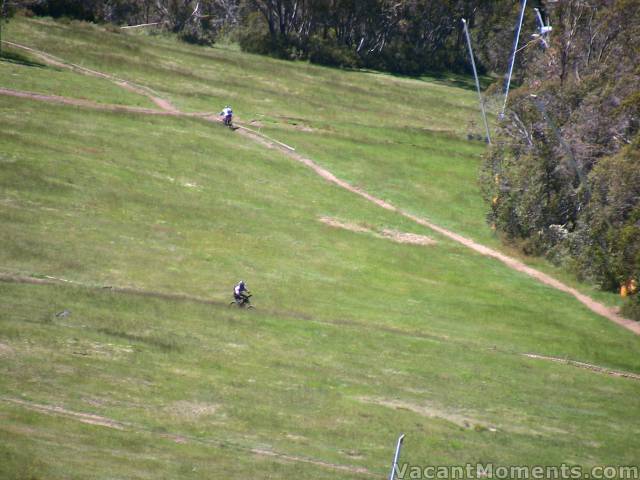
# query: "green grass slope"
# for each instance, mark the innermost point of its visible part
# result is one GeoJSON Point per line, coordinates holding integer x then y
{"type": "Point", "coordinates": [347, 120]}
{"type": "Point", "coordinates": [355, 339]}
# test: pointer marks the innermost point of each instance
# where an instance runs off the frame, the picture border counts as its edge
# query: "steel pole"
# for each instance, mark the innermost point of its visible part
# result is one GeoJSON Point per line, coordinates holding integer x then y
{"type": "Point", "coordinates": [513, 58]}
{"type": "Point", "coordinates": [396, 456]}
{"type": "Point", "coordinates": [540, 21]}
{"type": "Point", "coordinates": [475, 74]}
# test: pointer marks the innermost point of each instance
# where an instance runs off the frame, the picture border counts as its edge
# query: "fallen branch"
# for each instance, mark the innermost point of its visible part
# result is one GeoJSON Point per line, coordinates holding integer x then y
{"type": "Point", "coordinates": [268, 138]}
{"type": "Point", "coordinates": [588, 366]}
{"type": "Point", "coordinates": [141, 25]}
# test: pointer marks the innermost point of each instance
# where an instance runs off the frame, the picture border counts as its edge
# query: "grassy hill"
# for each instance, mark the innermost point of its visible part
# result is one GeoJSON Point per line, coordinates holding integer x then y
{"type": "Point", "coordinates": [355, 339]}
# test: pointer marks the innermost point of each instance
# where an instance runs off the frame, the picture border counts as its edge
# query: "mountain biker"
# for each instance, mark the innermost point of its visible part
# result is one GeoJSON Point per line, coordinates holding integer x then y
{"type": "Point", "coordinates": [226, 114]}
{"type": "Point", "coordinates": [240, 292]}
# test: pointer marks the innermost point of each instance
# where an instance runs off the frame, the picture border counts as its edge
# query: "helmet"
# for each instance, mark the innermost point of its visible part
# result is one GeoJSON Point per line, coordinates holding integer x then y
{"type": "Point", "coordinates": [241, 282]}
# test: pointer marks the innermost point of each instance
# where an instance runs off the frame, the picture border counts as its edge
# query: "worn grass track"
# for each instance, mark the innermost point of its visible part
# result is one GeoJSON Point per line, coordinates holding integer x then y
{"type": "Point", "coordinates": [355, 337]}
{"type": "Point", "coordinates": [520, 266]}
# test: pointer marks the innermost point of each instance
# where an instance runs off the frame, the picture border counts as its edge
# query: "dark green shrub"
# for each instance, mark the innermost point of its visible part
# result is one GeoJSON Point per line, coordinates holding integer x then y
{"type": "Point", "coordinates": [326, 51]}
{"type": "Point", "coordinates": [77, 9]}
{"type": "Point", "coordinates": [631, 308]}
{"type": "Point", "coordinates": [196, 34]}
{"type": "Point", "coordinates": [254, 35]}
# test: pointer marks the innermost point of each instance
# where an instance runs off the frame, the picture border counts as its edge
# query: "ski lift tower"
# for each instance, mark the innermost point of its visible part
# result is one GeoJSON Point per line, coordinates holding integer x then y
{"type": "Point", "coordinates": [543, 30]}
{"type": "Point", "coordinates": [475, 74]}
{"type": "Point", "coordinates": [513, 58]}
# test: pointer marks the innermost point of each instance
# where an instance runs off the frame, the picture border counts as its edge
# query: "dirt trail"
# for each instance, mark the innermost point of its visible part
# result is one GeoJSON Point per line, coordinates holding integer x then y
{"type": "Point", "coordinates": [385, 233]}
{"type": "Point", "coordinates": [63, 412]}
{"type": "Point", "coordinates": [511, 262]}
{"type": "Point", "coordinates": [98, 420]}
{"type": "Point", "coordinates": [77, 102]}
{"type": "Point", "coordinates": [108, 107]}
{"type": "Point", "coordinates": [50, 280]}
{"type": "Point", "coordinates": [14, 278]}
{"type": "Point", "coordinates": [542, 277]}
{"type": "Point", "coordinates": [126, 84]}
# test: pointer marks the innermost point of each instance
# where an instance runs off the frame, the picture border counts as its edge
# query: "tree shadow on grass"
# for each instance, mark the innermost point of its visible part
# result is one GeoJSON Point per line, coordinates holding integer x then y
{"type": "Point", "coordinates": [165, 344]}
{"type": "Point", "coordinates": [451, 79]}
{"type": "Point", "coordinates": [20, 59]}
{"type": "Point", "coordinates": [459, 80]}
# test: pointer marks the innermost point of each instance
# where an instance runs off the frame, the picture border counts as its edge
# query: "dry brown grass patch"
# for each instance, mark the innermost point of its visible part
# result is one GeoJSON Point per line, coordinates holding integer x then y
{"type": "Point", "coordinates": [386, 233]}
{"type": "Point", "coordinates": [191, 410]}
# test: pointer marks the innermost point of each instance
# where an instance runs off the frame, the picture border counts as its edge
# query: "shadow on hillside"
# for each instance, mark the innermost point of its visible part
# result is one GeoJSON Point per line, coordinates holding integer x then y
{"type": "Point", "coordinates": [465, 82]}
{"type": "Point", "coordinates": [169, 344]}
{"type": "Point", "coordinates": [18, 58]}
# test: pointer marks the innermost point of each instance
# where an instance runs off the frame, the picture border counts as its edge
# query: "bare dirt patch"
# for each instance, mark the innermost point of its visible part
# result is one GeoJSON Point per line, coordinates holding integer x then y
{"type": "Point", "coordinates": [299, 127]}
{"type": "Point", "coordinates": [292, 458]}
{"type": "Point", "coordinates": [191, 410]}
{"type": "Point", "coordinates": [193, 185]}
{"type": "Point", "coordinates": [109, 351]}
{"type": "Point", "coordinates": [295, 123]}
{"type": "Point", "coordinates": [296, 438]}
{"type": "Point", "coordinates": [463, 420]}
{"type": "Point", "coordinates": [353, 227]}
{"type": "Point", "coordinates": [428, 411]}
{"type": "Point", "coordinates": [5, 350]}
{"type": "Point", "coordinates": [404, 237]}
{"type": "Point", "coordinates": [386, 233]}
{"type": "Point", "coordinates": [60, 411]}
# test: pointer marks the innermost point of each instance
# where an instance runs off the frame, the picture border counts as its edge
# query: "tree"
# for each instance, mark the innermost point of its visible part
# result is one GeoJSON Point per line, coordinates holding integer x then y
{"type": "Point", "coordinates": [563, 177]}
{"type": "Point", "coordinates": [7, 9]}
{"type": "Point", "coordinates": [3, 16]}
{"type": "Point", "coordinates": [2, 2]}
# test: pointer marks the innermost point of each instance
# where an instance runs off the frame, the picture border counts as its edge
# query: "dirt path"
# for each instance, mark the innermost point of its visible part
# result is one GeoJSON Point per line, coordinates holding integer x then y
{"type": "Point", "coordinates": [385, 233]}
{"type": "Point", "coordinates": [126, 84]}
{"type": "Point", "coordinates": [107, 107]}
{"type": "Point", "coordinates": [169, 109]}
{"type": "Point", "coordinates": [92, 419]}
{"type": "Point", "coordinates": [511, 262]}
{"type": "Point", "coordinates": [89, 418]}
{"type": "Point", "coordinates": [49, 280]}
{"type": "Point", "coordinates": [8, 277]}
{"type": "Point", "coordinates": [77, 102]}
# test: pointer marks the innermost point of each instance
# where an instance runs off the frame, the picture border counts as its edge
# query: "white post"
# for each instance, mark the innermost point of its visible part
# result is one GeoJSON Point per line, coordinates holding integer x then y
{"type": "Point", "coordinates": [475, 74]}
{"type": "Point", "coordinates": [513, 58]}
{"type": "Point", "coordinates": [396, 456]}
{"type": "Point", "coordinates": [540, 21]}
{"type": "Point", "coordinates": [544, 29]}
